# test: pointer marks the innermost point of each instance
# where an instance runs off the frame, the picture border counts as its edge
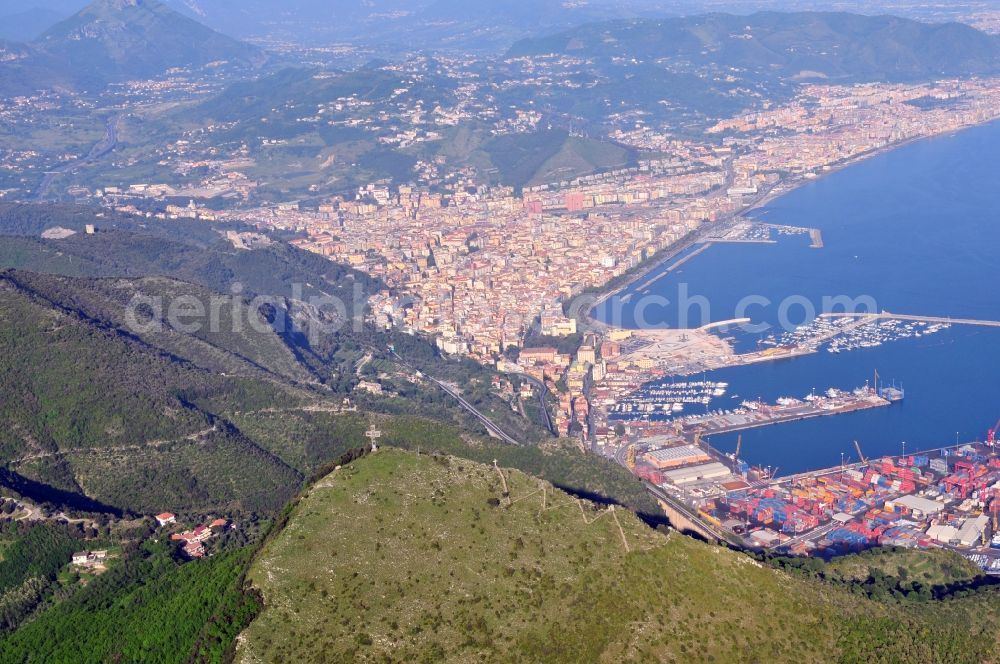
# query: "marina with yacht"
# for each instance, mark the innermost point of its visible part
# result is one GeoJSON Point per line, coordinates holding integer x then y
{"type": "Point", "coordinates": [843, 334]}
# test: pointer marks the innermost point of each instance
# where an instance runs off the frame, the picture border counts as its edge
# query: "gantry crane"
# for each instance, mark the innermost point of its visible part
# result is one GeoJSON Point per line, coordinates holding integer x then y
{"type": "Point", "coordinates": [857, 446]}
{"type": "Point", "coordinates": [991, 435]}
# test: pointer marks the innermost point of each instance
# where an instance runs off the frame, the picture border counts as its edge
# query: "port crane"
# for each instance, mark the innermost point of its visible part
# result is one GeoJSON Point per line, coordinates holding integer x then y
{"type": "Point", "coordinates": [735, 456]}
{"type": "Point", "coordinates": [991, 435]}
{"type": "Point", "coordinates": [857, 446]}
{"type": "Point", "coordinates": [995, 509]}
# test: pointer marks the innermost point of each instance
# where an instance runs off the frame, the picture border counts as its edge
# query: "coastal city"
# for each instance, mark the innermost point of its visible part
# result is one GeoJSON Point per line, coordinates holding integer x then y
{"type": "Point", "coordinates": [547, 331]}
{"type": "Point", "coordinates": [509, 275]}
{"type": "Point", "coordinates": [496, 273]}
{"type": "Point", "coordinates": [489, 271]}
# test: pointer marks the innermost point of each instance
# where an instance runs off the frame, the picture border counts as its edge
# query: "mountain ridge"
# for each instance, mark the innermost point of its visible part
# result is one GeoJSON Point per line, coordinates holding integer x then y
{"type": "Point", "coordinates": [115, 40]}
{"type": "Point", "coordinates": [425, 557]}
{"type": "Point", "coordinates": [839, 45]}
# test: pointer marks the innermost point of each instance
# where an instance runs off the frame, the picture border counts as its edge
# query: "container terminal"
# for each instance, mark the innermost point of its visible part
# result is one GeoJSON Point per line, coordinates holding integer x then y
{"type": "Point", "coordinates": [946, 498]}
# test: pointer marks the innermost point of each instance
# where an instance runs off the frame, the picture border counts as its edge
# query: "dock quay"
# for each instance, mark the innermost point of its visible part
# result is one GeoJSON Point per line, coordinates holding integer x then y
{"type": "Point", "coordinates": [743, 241]}
{"type": "Point", "coordinates": [754, 415]}
{"type": "Point", "coordinates": [944, 498]}
{"type": "Point", "coordinates": [673, 266]}
{"type": "Point", "coordinates": [675, 453]}
{"type": "Point", "coordinates": [886, 315]}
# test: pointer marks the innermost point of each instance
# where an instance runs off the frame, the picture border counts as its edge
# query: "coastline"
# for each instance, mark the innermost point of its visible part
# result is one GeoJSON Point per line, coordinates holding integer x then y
{"type": "Point", "coordinates": [869, 207]}
{"type": "Point", "coordinates": [776, 192]}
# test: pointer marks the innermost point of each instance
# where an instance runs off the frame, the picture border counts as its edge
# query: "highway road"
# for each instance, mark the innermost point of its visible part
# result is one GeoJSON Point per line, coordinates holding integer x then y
{"type": "Point", "coordinates": [542, 391]}
{"type": "Point", "coordinates": [101, 149]}
{"type": "Point", "coordinates": [709, 528]}
{"type": "Point", "coordinates": [485, 421]}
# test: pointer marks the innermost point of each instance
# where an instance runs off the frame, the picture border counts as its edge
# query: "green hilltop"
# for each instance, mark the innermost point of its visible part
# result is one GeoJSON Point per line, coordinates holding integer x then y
{"type": "Point", "coordinates": [400, 557]}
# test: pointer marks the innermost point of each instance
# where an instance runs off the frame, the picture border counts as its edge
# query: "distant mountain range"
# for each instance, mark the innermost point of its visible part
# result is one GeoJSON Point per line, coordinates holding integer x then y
{"type": "Point", "coordinates": [817, 45]}
{"type": "Point", "coordinates": [490, 24]}
{"type": "Point", "coordinates": [114, 40]}
{"type": "Point", "coordinates": [688, 72]}
{"type": "Point", "coordinates": [407, 25]}
{"type": "Point", "coordinates": [485, 24]}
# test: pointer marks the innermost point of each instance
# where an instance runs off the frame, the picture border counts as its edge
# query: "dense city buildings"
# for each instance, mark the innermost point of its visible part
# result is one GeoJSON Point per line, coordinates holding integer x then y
{"type": "Point", "coordinates": [488, 265]}
{"type": "Point", "coordinates": [488, 269]}
{"type": "Point", "coordinates": [483, 268]}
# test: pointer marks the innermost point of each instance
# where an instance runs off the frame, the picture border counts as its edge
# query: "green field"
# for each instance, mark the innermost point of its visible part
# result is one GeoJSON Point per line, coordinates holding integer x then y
{"type": "Point", "coordinates": [551, 155]}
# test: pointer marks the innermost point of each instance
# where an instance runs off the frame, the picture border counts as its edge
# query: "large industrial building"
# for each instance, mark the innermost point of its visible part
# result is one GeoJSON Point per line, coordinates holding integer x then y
{"type": "Point", "coordinates": [706, 471]}
{"type": "Point", "coordinates": [673, 457]}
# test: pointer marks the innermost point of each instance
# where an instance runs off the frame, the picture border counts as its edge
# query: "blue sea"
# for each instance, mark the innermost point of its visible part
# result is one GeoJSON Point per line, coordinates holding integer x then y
{"type": "Point", "coordinates": [916, 231]}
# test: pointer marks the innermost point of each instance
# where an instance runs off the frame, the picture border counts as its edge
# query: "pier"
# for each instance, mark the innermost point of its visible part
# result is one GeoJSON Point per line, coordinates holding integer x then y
{"type": "Point", "coordinates": [742, 241]}
{"type": "Point", "coordinates": [886, 315]}
{"type": "Point", "coordinates": [673, 266]}
{"type": "Point", "coordinates": [815, 234]}
{"type": "Point", "coordinates": [724, 323]}
{"type": "Point", "coordinates": [831, 470]}
{"type": "Point", "coordinates": [768, 415]}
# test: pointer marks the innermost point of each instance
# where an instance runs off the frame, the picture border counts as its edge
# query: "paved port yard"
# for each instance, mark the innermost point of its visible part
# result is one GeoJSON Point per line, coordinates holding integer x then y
{"type": "Point", "coordinates": [676, 456]}
{"type": "Point", "coordinates": [946, 498]}
{"type": "Point", "coordinates": [677, 350]}
{"type": "Point", "coordinates": [949, 498]}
